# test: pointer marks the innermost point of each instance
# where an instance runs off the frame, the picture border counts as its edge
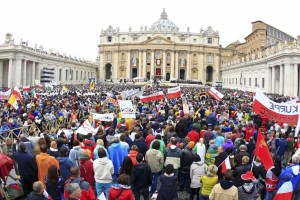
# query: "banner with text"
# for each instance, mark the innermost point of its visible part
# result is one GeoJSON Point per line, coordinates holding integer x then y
{"type": "Point", "coordinates": [108, 117]}
{"type": "Point", "coordinates": [152, 97]}
{"type": "Point", "coordinates": [280, 112]}
{"type": "Point", "coordinates": [86, 128]}
{"type": "Point", "coordinates": [5, 95]}
{"type": "Point", "coordinates": [126, 108]}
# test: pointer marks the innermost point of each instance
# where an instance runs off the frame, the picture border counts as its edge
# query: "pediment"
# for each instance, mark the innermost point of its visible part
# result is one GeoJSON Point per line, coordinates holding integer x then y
{"type": "Point", "coordinates": [158, 40]}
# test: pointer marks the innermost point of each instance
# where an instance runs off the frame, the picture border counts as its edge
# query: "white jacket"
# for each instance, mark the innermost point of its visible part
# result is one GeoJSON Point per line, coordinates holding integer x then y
{"type": "Point", "coordinates": [103, 170]}
{"type": "Point", "coordinates": [197, 170]}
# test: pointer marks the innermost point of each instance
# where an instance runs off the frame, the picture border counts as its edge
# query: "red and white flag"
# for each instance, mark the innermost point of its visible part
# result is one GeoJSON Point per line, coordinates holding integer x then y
{"type": "Point", "coordinates": [215, 94]}
{"type": "Point", "coordinates": [174, 93]}
{"type": "Point", "coordinates": [285, 191]}
{"type": "Point", "coordinates": [234, 94]}
{"type": "Point", "coordinates": [226, 165]}
{"type": "Point", "coordinates": [39, 86]}
{"type": "Point", "coordinates": [152, 97]}
{"type": "Point", "coordinates": [17, 94]}
{"type": "Point", "coordinates": [26, 88]}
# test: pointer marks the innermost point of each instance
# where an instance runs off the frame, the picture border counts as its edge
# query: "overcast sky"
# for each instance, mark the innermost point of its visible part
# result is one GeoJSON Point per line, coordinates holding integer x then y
{"type": "Point", "coordinates": [74, 26]}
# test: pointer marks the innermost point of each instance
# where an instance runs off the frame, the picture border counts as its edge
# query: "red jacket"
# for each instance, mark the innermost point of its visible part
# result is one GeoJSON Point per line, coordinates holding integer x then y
{"type": "Point", "coordinates": [87, 172]}
{"type": "Point", "coordinates": [194, 136]}
{"type": "Point", "coordinates": [88, 144]}
{"type": "Point", "coordinates": [87, 192]}
{"type": "Point", "coordinates": [115, 191]}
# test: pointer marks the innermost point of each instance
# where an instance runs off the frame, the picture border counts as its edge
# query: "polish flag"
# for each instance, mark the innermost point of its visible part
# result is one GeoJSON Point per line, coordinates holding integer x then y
{"type": "Point", "coordinates": [225, 165]}
{"type": "Point", "coordinates": [152, 97]}
{"type": "Point", "coordinates": [26, 88]}
{"type": "Point", "coordinates": [285, 191]}
{"type": "Point", "coordinates": [174, 93]}
{"type": "Point", "coordinates": [39, 86]}
{"type": "Point", "coordinates": [215, 94]}
{"type": "Point", "coordinates": [17, 94]}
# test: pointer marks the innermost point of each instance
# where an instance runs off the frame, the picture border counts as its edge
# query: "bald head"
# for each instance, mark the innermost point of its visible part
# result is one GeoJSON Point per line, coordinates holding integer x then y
{"type": "Point", "coordinates": [38, 187]}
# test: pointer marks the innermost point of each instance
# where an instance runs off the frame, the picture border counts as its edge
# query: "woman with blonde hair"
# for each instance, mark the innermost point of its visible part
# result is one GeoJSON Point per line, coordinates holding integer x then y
{"type": "Point", "coordinates": [208, 182]}
{"type": "Point", "coordinates": [100, 144]}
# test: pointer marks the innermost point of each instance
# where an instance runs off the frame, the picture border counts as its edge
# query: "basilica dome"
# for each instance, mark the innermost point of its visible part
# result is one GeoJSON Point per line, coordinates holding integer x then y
{"type": "Point", "coordinates": [163, 24]}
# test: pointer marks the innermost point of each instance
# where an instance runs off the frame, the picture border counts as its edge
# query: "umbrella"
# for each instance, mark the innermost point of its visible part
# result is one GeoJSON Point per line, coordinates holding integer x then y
{"type": "Point", "coordinates": [6, 165]}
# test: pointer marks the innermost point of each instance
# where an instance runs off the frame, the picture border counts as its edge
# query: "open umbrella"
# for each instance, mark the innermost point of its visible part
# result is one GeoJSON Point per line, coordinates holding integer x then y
{"type": "Point", "coordinates": [6, 165]}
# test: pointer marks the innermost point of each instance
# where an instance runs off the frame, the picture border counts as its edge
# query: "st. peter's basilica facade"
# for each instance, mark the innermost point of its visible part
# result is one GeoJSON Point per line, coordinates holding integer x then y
{"type": "Point", "coordinates": [162, 51]}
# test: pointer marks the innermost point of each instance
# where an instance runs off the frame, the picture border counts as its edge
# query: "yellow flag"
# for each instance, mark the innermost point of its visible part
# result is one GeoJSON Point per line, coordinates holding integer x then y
{"type": "Point", "coordinates": [92, 84]}
{"type": "Point", "coordinates": [13, 101]}
{"type": "Point", "coordinates": [65, 88]}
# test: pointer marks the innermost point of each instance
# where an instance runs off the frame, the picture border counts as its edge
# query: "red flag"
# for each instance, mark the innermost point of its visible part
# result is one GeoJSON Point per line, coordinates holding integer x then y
{"type": "Point", "coordinates": [262, 151]}
{"type": "Point", "coordinates": [17, 93]}
{"type": "Point", "coordinates": [226, 165]}
{"type": "Point", "coordinates": [174, 93]}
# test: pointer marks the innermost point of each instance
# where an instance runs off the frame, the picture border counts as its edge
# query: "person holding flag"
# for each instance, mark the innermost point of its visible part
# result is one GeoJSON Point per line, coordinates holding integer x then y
{"type": "Point", "coordinates": [92, 84]}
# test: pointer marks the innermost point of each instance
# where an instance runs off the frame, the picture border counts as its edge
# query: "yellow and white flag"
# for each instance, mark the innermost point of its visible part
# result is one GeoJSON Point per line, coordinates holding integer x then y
{"type": "Point", "coordinates": [13, 101]}
{"type": "Point", "coordinates": [65, 88]}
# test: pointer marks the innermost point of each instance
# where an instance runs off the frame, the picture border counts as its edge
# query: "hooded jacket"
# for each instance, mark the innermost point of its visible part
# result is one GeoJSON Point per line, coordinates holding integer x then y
{"type": "Point", "coordinates": [117, 153]}
{"type": "Point", "coordinates": [141, 176]}
{"type": "Point", "coordinates": [247, 191]}
{"type": "Point", "coordinates": [173, 156]}
{"type": "Point", "coordinates": [228, 144]}
{"type": "Point", "coordinates": [225, 190]}
{"type": "Point", "coordinates": [168, 188]}
{"type": "Point", "coordinates": [86, 172]}
{"type": "Point", "coordinates": [103, 170]}
{"type": "Point", "coordinates": [74, 155]}
{"type": "Point", "coordinates": [198, 169]}
{"type": "Point", "coordinates": [124, 192]}
{"type": "Point", "coordinates": [43, 162]}
{"type": "Point", "coordinates": [65, 165]}
{"type": "Point", "coordinates": [155, 160]}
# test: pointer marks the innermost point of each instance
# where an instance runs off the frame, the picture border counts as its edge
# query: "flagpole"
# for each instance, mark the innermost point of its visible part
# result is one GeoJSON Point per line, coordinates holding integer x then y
{"type": "Point", "coordinates": [252, 162]}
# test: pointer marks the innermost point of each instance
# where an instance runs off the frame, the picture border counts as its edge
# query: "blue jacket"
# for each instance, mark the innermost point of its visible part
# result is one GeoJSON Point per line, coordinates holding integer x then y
{"type": "Point", "coordinates": [65, 165]}
{"type": "Point", "coordinates": [282, 143]}
{"type": "Point", "coordinates": [28, 171]}
{"type": "Point", "coordinates": [117, 153]}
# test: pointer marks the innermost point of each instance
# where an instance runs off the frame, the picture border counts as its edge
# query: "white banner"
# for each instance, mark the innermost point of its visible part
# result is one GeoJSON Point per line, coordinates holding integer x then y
{"type": "Point", "coordinates": [103, 117]}
{"type": "Point", "coordinates": [126, 108]}
{"type": "Point", "coordinates": [5, 95]}
{"type": "Point", "coordinates": [86, 128]}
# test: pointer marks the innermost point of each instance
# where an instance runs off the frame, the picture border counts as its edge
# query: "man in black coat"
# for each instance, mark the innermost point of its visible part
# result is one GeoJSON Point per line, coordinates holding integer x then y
{"type": "Point", "coordinates": [238, 171]}
{"type": "Point", "coordinates": [181, 129]}
{"type": "Point", "coordinates": [218, 161]}
{"type": "Point", "coordinates": [27, 167]}
{"type": "Point", "coordinates": [141, 178]}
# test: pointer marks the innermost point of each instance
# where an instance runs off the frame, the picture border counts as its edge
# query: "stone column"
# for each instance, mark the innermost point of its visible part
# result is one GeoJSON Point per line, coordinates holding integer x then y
{"type": "Point", "coordinates": [281, 82]}
{"type": "Point", "coordinates": [116, 64]}
{"type": "Point", "coordinates": [188, 66]}
{"type": "Point", "coordinates": [38, 71]}
{"type": "Point", "coordinates": [268, 81]}
{"type": "Point", "coordinates": [128, 65]}
{"type": "Point", "coordinates": [10, 74]}
{"type": "Point", "coordinates": [144, 63]}
{"type": "Point", "coordinates": [152, 64]}
{"type": "Point", "coordinates": [18, 68]}
{"type": "Point", "coordinates": [200, 67]}
{"type": "Point", "coordinates": [287, 79]}
{"type": "Point", "coordinates": [273, 80]}
{"type": "Point", "coordinates": [164, 62]}
{"type": "Point", "coordinates": [1, 73]}
{"type": "Point", "coordinates": [24, 77]}
{"type": "Point", "coordinates": [217, 64]}
{"type": "Point", "coordinates": [295, 81]}
{"type": "Point", "coordinates": [101, 67]}
{"type": "Point", "coordinates": [176, 66]}
{"type": "Point", "coordinates": [140, 63]}
{"type": "Point", "coordinates": [172, 64]}
{"type": "Point", "coordinates": [32, 74]}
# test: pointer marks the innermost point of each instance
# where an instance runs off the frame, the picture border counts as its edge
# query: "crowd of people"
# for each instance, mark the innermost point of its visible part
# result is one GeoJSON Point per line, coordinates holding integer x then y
{"type": "Point", "coordinates": [164, 151]}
